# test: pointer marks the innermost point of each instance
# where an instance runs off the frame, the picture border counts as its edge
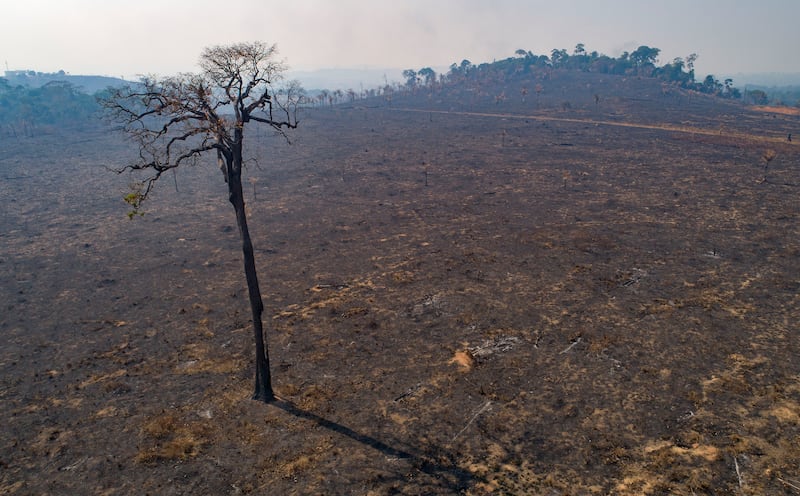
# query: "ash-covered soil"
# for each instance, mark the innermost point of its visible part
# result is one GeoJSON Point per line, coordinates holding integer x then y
{"type": "Point", "coordinates": [534, 298]}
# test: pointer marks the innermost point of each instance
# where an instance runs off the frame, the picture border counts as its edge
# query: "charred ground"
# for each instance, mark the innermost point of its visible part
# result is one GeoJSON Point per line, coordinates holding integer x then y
{"type": "Point", "coordinates": [465, 293]}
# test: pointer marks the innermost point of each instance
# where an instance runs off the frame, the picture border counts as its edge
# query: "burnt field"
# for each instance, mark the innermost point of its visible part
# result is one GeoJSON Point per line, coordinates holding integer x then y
{"type": "Point", "coordinates": [464, 294]}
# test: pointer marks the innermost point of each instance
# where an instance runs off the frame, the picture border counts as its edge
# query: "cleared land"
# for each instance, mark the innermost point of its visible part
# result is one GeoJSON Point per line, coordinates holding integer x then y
{"type": "Point", "coordinates": [521, 297]}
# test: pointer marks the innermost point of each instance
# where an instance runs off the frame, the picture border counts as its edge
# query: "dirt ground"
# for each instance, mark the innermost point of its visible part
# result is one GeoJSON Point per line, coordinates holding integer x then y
{"type": "Point", "coordinates": [464, 296]}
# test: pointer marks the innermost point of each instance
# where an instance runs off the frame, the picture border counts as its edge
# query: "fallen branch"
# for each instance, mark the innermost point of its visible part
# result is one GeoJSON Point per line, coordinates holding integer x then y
{"type": "Point", "coordinates": [482, 409]}
{"type": "Point", "coordinates": [320, 287]}
{"type": "Point", "coordinates": [578, 340]}
{"type": "Point", "coordinates": [490, 347]}
{"type": "Point", "coordinates": [410, 391]}
{"type": "Point", "coordinates": [738, 473]}
{"type": "Point", "coordinates": [789, 484]}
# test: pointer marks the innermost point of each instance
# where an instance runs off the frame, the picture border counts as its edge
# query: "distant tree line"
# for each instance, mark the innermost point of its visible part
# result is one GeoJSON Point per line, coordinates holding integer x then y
{"type": "Point", "coordinates": [641, 62]}
{"type": "Point", "coordinates": [24, 109]}
{"type": "Point", "coordinates": [783, 96]}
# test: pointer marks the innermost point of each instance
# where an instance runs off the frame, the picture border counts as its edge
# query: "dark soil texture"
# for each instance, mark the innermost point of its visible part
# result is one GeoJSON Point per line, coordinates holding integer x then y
{"type": "Point", "coordinates": [464, 294]}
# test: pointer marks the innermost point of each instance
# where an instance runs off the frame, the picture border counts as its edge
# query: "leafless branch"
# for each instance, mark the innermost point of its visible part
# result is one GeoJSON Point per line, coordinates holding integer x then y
{"type": "Point", "coordinates": [175, 120]}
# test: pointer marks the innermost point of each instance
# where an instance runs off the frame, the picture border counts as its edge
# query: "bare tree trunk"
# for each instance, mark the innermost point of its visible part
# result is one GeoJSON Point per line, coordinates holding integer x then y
{"type": "Point", "coordinates": [263, 388]}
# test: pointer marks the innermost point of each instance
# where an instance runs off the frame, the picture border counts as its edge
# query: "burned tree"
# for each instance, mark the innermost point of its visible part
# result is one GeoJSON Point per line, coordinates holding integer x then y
{"type": "Point", "coordinates": [176, 120]}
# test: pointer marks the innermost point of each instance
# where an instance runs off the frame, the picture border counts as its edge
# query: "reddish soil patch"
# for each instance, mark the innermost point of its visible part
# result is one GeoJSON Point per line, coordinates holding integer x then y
{"type": "Point", "coordinates": [529, 301]}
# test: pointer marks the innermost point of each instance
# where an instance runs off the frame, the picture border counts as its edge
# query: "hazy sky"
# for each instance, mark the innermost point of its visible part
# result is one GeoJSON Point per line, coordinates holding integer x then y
{"type": "Point", "coordinates": [116, 37]}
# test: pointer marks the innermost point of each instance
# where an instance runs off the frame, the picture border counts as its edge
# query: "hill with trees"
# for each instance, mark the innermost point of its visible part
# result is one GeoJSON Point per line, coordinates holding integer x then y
{"type": "Point", "coordinates": [25, 109]}
{"type": "Point", "coordinates": [642, 62]}
{"type": "Point", "coordinates": [678, 74]}
{"type": "Point", "coordinates": [30, 99]}
{"type": "Point", "coordinates": [84, 83]}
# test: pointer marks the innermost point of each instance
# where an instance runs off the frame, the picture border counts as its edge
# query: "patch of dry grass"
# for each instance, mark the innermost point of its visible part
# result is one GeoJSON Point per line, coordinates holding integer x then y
{"type": "Point", "coordinates": [169, 437]}
{"type": "Point", "coordinates": [776, 110]}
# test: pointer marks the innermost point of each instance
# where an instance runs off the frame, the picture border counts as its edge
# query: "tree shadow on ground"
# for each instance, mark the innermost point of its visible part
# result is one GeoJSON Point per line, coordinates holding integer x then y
{"type": "Point", "coordinates": [442, 475]}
